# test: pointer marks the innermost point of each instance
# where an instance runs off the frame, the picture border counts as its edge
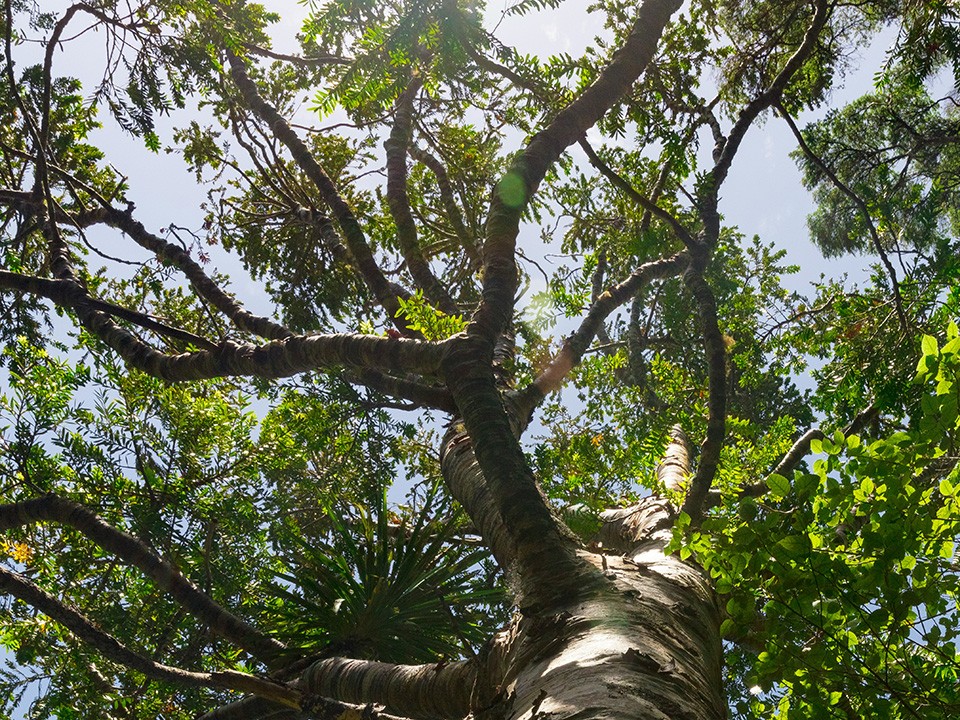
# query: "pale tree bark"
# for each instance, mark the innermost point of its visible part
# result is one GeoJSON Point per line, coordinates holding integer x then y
{"type": "Point", "coordinates": [644, 641]}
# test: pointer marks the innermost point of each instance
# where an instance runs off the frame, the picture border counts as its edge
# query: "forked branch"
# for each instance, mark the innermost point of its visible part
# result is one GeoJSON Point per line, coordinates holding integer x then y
{"type": "Point", "coordinates": [555, 373]}
{"type": "Point", "coordinates": [384, 291]}
{"type": "Point", "coordinates": [528, 170]}
{"type": "Point", "coordinates": [398, 201]}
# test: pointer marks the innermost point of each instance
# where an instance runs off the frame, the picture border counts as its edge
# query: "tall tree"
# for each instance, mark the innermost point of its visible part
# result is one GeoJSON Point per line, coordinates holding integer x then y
{"type": "Point", "coordinates": [617, 503]}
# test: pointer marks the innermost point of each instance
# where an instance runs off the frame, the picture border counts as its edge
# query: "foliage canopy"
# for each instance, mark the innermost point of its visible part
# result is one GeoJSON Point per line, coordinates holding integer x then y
{"type": "Point", "coordinates": [491, 286]}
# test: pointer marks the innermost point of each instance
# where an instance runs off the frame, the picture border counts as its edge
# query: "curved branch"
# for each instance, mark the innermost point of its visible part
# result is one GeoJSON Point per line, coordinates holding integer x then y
{"type": "Point", "coordinates": [399, 201]}
{"type": "Point", "coordinates": [539, 545]}
{"type": "Point", "coordinates": [203, 284]}
{"type": "Point", "coordinates": [68, 294]}
{"type": "Point", "coordinates": [716, 352]}
{"type": "Point", "coordinates": [553, 376]}
{"type": "Point", "coordinates": [52, 508]}
{"type": "Point", "coordinates": [464, 478]}
{"type": "Point", "coordinates": [770, 96]}
{"type": "Point", "coordinates": [384, 291]}
{"type": "Point", "coordinates": [454, 216]}
{"type": "Point", "coordinates": [526, 172]}
{"type": "Point", "coordinates": [861, 206]}
{"type": "Point", "coordinates": [114, 650]}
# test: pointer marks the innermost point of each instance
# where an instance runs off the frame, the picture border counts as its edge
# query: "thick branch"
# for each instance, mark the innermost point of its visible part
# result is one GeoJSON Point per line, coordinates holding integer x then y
{"type": "Point", "coordinates": [133, 551]}
{"type": "Point", "coordinates": [541, 547]}
{"type": "Point", "coordinates": [716, 352]}
{"type": "Point", "coordinates": [522, 179]}
{"type": "Point", "coordinates": [425, 395]}
{"type": "Point", "coordinates": [465, 480]}
{"type": "Point", "coordinates": [279, 358]}
{"type": "Point", "coordinates": [438, 691]}
{"type": "Point", "coordinates": [114, 650]}
{"type": "Point", "coordinates": [650, 520]}
{"type": "Point", "coordinates": [399, 201]}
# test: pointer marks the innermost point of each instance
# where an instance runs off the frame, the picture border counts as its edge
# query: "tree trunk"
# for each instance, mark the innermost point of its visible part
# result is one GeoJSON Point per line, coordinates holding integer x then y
{"type": "Point", "coordinates": [645, 644]}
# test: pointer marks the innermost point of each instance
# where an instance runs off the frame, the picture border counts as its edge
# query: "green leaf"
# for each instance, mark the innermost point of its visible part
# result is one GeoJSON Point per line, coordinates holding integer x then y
{"type": "Point", "coordinates": [778, 484]}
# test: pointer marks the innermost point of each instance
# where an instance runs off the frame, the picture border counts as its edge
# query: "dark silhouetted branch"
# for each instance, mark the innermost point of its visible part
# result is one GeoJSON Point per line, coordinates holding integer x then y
{"type": "Point", "coordinates": [134, 552]}
{"type": "Point", "coordinates": [399, 201]}
{"type": "Point", "coordinates": [384, 291]}
{"type": "Point", "coordinates": [115, 651]}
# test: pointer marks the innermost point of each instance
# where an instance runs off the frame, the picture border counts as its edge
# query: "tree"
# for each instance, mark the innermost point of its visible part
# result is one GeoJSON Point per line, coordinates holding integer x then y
{"type": "Point", "coordinates": [196, 499]}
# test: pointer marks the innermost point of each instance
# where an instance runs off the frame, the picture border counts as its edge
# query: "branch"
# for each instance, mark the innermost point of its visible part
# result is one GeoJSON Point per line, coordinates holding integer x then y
{"type": "Point", "coordinates": [716, 352]}
{"type": "Point", "coordinates": [536, 542]}
{"type": "Point", "coordinates": [449, 203]}
{"type": "Point", "coordinates": [423, 395]}
{"type": "Point", "coordinates": [135, 552]}
{"type": "Point", "coordinates": [596, 288]}
{"type": "Point", "coordinates": [651, 519]}
{"type": "Point", "coordinates": [465, 480]}
{"type": "Point", "coordinates": [384, 291]}
{"type": "Point", "coordinates": [516, 188]}
{"type": "Point", "coordinates": [399, 202]}
{"type": "Point", "coordinates": [114, 650]}
{"type": "Point", "coordinates": [554, 374]}
{"type": "Point", "coordinates": [654, 196]}
{"type": "Point", "coordinates": [440, 690]}
{"type": "Point", "coordinates": [861, 206]}
{"type": "Point", "coordinates": [801, 448]}
{"type": "Point", "coordinates": [770, 96]}
{"type": "Point", "coordinates": [278, 358]}
{"type": "Point", "coordinates": [283, 358]}
{"type": "Point", "coordinates": [301, 60]}
{"type": "Point", "coordinates": [66, 293]}
{"type": "Point", "coordinates": [648, 205]}
{"type": "Point", "coordinates": [178, 257]}
{"type": "Point", "coordinates": [516, 80]}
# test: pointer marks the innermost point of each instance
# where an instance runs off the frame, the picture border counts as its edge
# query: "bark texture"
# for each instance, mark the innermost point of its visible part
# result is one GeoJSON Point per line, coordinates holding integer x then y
{"type": "Point", "coordinates": [646, 645]}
